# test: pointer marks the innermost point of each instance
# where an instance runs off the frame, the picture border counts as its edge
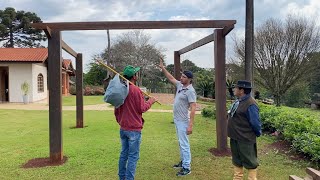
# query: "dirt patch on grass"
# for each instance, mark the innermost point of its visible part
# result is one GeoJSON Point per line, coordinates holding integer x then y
{"type": "Point", "coordinates": [164, 98]}
{"type": "Point", "coordinates": [216, 152]}
{"type": "Point", "coordinates": [284, 147]}
{"type": "Point", "coordinates": [43, 162]}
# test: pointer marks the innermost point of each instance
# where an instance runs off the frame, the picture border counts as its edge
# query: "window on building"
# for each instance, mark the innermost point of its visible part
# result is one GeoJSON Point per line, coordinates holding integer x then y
{"type": "Point", "coordinates": [40, 83]}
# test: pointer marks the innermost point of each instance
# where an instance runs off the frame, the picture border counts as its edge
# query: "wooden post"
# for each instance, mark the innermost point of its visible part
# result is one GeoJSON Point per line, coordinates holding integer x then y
{"type": "Point", "coordinates": [177, 65]}
{"type": "Point", "coordinates": [249, 40]}
{"type": "Point", "coordinates": [220, 88]}
{"type": "Point", "coordinates": [55, 96]}
{"type": "Point", "coordinates": [79, 90]}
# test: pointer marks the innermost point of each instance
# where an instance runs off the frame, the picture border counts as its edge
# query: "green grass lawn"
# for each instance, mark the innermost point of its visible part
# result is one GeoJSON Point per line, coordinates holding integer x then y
{"type": "Point", "coordinates": [93, 151]}
{"type": "Point", "coordinates": [91, 100]}
{"type": "Point", "coordinates": [87, 100]}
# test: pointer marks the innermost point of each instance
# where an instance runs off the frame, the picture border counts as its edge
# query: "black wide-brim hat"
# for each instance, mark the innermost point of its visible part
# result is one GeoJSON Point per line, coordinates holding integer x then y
{"type": "Point", "coordinates": [243, 84]}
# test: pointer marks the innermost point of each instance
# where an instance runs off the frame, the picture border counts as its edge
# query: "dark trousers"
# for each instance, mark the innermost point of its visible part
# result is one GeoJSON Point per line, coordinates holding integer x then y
{"type": "Point", "coordinates": [244, 154]}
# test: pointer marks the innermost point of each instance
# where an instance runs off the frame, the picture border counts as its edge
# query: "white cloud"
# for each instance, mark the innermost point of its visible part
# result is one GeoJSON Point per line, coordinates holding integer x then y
{"type": "Point", "coordinates": [310, 10]}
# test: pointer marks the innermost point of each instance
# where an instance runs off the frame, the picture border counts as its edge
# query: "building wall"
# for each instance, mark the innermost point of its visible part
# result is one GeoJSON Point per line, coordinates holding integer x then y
{"type": "Point", "coordinates": [21, 72]}
{"type": "Point", "coordinates": [38, 68]}
{"type": "Point", "coordinates": [18, 73]}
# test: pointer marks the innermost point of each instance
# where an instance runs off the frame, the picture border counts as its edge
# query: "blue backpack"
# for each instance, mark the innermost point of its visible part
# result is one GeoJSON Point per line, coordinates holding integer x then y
{"type": "Point", "coordinates": [116, 92]}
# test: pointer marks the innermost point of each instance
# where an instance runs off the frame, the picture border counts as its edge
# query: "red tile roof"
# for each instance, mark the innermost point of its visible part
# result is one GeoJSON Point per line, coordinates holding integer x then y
{"type": "Point", "coordinates": [67, 66]}
{"type": "Point", "coordinates": [23, 54]}
{"type": "Point", "coordinates": [66, 63]}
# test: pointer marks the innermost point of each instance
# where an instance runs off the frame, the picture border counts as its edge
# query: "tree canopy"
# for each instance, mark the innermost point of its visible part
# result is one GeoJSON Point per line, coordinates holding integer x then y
{"type": "Point", "coordinates": [281, 53]}
{"type": "Point", "coordinates": [15, 29]}
{"type": "Point", "coordinates": [133, 48]}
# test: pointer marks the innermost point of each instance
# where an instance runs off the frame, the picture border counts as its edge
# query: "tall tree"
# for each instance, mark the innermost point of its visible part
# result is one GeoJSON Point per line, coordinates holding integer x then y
{"type": "Point", "coordinates": [281, 50]}
{"type": "Point", "coordinates": [189, 65]}
{"type": "Point", "coordinates": [15, 29]}
{"type": "Point", "coordinates": [204, 83]}
{"type": "Point", "coordinates": [95, 75]}
{"type": "Point", "coordinates": [134, 48]}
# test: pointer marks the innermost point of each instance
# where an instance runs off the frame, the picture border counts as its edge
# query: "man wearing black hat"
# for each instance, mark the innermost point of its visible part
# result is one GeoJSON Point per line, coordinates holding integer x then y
{"type": "Point", "coordinates": [185, 99]}
{"type": "Point", "coordinates": [243, 127]}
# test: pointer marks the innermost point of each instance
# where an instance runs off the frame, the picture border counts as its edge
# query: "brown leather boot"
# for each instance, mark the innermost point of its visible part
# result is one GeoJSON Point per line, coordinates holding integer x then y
{"type": "Point", "coordinates": [238, 173]}
{"type": "Point", "coordinates": [252, 174]}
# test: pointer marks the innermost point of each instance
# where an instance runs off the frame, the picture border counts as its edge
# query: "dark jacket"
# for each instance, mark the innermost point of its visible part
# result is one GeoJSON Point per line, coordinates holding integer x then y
{"type": "Point", "coordinates": [239, 127]}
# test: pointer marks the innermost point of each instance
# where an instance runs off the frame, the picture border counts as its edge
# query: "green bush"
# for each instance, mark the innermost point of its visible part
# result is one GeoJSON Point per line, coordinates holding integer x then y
{"type": "Point", "coordinates": [297, 126]}
{"type": "Point", "coordinates": [72, 90]}
{"type": "Point", "coordinates": [308, 144]}
{"type": "Point", "coordinates": [208, 112]}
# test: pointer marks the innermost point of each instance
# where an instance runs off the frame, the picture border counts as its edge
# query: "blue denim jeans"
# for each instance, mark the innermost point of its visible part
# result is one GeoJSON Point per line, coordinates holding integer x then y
{"type": "Point", "coordinates": [130, 141]}
{"type": "Point", "coordinates": [185, 153]}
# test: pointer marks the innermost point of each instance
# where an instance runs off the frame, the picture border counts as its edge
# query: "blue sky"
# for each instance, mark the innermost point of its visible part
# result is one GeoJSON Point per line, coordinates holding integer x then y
{"type": "Point", "coordinates": [93, 42]}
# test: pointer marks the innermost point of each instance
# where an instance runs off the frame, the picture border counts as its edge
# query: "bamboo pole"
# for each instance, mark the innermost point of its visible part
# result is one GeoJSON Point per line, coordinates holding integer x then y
{"type": "Point", "coordinates": [114, 71]}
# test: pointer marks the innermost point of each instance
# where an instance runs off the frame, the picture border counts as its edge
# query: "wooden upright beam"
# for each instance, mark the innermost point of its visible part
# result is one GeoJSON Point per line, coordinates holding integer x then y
{"type": "Point", "coordinates": [55, 96]}
{"type": "Point", "coordinates": [68, 49]}
{"type": "Point", "coordinates": [177, 65]}
{"type": "Point", "coordinates": [197, 44]}
{"type": "Point", "coordinates": [103, 25]}
{"type": "Point", "coordinates": [220, 88]}
{"type": "Point", "coordinates": [79, 92]}
{"type": "Point", "coordinates": [249, 41]}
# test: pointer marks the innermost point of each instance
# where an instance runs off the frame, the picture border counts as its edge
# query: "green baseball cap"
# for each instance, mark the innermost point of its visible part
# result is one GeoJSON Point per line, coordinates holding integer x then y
{"type": "Point", "coordinates": [129, 71]}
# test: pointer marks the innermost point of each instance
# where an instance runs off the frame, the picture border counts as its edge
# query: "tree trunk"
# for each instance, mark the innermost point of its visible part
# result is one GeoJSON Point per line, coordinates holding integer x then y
{"type": "Point", "coordinates": [11, 44]}
{"type": "Point", "coordinates": [205, 93]}
{"type": "Point", "coordinates": [277, 100]}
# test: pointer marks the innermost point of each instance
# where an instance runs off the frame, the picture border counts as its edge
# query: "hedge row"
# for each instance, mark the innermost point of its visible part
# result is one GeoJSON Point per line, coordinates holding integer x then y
{"type": "Point", "coordinates": [298, 126]}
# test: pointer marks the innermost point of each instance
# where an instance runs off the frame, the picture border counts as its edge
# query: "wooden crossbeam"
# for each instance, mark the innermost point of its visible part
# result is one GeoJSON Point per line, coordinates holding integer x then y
{"type": "Point", "coordinates": [197, 44]}
{"type": "Point", "coordinates": [103, 25]}
{"type": "Point", "coordinates": [68, 49]}
{"type": "Point", "coordinates": [47, 30]}
{"type": "Point", "coordinates": [227, 29]}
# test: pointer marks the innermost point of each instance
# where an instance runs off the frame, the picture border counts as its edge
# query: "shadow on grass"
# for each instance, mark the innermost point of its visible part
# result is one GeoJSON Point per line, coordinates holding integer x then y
{"type": "Point", "coordinates": [75, 127]}
{"type": "Point", "coordinates": [220, 153]}
{"type": "Point", "coordinates": [43, 162]}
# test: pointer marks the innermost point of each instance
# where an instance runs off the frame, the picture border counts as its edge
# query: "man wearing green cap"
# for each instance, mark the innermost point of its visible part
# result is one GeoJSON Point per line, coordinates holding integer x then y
{"type": "Point", "coordinates": [129, 117]}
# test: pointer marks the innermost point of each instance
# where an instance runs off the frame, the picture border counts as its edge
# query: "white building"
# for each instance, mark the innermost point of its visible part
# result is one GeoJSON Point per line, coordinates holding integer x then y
{"type": "Point", "coordinates": [19, 65]}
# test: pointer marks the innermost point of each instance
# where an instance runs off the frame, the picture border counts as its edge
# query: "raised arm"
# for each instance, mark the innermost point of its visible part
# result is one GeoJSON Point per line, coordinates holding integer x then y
{"type": "Point", "coordinates": [167, 74]}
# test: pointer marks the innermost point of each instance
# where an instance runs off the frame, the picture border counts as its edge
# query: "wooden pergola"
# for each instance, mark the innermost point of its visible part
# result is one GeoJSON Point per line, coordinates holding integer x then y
{"type": "Point", "coordinates": [56, 44]}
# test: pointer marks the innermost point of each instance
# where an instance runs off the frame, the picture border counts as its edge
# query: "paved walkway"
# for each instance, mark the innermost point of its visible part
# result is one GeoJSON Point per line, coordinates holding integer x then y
{"type": "Point", "coordinates": [44, 106]}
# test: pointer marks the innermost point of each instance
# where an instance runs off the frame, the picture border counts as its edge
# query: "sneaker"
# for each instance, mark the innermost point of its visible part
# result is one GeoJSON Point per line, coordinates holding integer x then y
{"type": "Point", "coordinates": [179, 165]}
{"type": "Point", "coordinates": [183, 172]}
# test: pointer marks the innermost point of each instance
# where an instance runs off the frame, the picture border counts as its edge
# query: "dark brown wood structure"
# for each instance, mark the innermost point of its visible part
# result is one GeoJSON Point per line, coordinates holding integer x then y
{"type": "Point", "coordinates": [53, 31]}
